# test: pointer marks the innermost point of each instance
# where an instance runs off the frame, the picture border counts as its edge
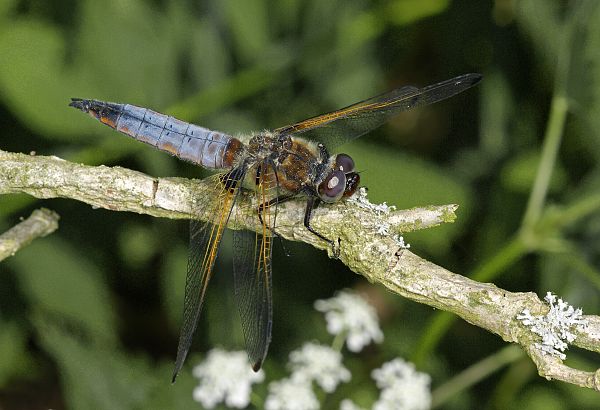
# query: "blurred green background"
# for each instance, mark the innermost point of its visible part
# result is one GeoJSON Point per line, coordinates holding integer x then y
{"type": "Point", "coordinates": [89, 316]}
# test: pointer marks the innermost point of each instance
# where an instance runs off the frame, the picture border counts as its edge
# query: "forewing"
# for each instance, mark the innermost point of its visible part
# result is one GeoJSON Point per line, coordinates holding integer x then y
{"type": "Point", "coordinates": [205, 237]}
{"type": "Point", "coordinates": [337, 127]}
{"type": "Point", "coordinates": [252, 274]}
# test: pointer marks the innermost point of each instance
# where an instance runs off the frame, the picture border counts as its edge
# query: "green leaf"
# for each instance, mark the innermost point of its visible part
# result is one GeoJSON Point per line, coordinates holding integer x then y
{"type": "Point", "coordinates": [12, 350]}
{"type": "Point", "coordinates": [173, 284]}
{"type": "Point", "coordinates": [33, 84]}
{"type": "Point", "coordinates": [100, 377]}
{"type": "Point", "coordinates": [542, 398]}
{"type": "Point", "coordinates": [10, 204]}
{"type": "Point", "coordinates": [583, 83]}
{"type": "Point", "coordinates": [137, 243]}
{"type": "Point", "coordinates": [288, 15]}
{"type": "Point", "coordinates": [176, 396]}
{"type": "Point", "coordinates": [96, 377]}
{"type": "Point", "coordinates": [248, 22]}
{"type": "Point", "coordinates": [205, 41]}
{"type": "Point", "coordinates": [126, 53]}
{"type": "Point", "coordinates": [497, 114]}
{"type": "Point", "coordinates": [542, 21]}
{"type": "Point", "coordinates": [6, 7]}
{"type": "Point", "coordinates": [404, 12]}
{"type": "Point", "coordinates": [519, 173]}
{"type": "Point", "coordinates": [57, 279]}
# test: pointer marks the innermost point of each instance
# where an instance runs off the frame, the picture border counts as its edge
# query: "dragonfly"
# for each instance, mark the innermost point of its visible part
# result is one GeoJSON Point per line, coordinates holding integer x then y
{"type": "Point", "coordinates": [274, 166]}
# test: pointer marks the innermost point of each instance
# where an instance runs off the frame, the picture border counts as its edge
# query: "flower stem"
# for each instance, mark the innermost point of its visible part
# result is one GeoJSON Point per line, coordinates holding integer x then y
{"type": "Point", "coordinates": [338, 341]}
{"type": "Point", "coordinates": [475, 373]}
{"type": "Point", "coordinates": [554, 131]}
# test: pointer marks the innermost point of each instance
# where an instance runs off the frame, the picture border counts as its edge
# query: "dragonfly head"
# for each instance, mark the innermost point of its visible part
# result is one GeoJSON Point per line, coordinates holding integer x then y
{"type": "Point", "coordinates": [341, 181]}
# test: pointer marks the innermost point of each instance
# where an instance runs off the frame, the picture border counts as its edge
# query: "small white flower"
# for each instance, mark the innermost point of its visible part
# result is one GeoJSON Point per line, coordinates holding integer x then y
{"type": "Point", "coordinates": [289, 394]}
{"type": "Point", "coordinates": [402, 387]}
{"type": "Point", "coordinates": [318, 363]}
{"type": "Point", "coordinates": [555, 327]}
{"type": "Point", "coordinates": [225, 377]}
{"type": "Point", "coordinates": [347, 404]}
{"type": "Point", "coordinates": [349, 314]}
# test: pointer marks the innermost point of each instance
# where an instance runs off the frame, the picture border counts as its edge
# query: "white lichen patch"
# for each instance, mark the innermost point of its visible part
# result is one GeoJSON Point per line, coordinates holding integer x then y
{"type": "Point", "coordinates": [556, 327]}
{"type": "Point", "coordinates": [361, 200]}
{"type": "Point", "coordinates": [400, 241]}
{"type": "Point", "coordinates": [382, 225]}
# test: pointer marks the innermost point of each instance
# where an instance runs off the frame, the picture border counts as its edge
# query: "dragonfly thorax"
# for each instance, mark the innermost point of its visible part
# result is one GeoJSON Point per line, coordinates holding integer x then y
{"type": "Point", "coordinates": [297, 163]}
{"type": "Point", "coordinates": [302, 166]}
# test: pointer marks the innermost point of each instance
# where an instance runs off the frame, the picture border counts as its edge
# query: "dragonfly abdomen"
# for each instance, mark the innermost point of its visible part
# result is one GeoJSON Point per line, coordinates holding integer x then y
{"type": "Point", "coordinates": [199, 145]}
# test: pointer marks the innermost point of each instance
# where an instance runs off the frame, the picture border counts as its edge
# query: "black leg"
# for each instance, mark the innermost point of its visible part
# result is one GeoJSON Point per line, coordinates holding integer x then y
{"type": "Point", "coordinates": [275, 201]}
{"type": "Point", "coordinates": [311, 204]}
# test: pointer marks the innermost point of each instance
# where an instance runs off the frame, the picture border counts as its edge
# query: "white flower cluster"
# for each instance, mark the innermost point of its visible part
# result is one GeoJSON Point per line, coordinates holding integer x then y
{"type": "Point", "coordinates": [313, 362]}
{"type": "Point", "coordinates": [349, 314]}
{"type": "Point", "coordinates": [225, 377]}
{"type": "Point", "coordinates": [555, 327]}
{"type": "Point", "coordinates": [319, 363]}
{"type": "Point", "coordinates": [402, 387]}
{"type": "Point", "coordinates": [290, 394]}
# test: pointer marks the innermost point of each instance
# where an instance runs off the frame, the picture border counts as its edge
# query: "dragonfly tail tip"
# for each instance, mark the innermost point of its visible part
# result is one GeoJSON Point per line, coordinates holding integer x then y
{"type": "Point", "coordinates": [256, 366]}
{"type": "Point", "coordinates": [78, 103]}
{"type": "Point", "coordinates": [87, 106]}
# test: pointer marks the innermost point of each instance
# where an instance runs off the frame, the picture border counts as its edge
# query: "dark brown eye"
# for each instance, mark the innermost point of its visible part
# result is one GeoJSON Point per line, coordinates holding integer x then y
{"type": "Point", "coordinates": [333, 187]}
{"type": "Point", "coordinates": [344, 163]}
{"type": "Point", "coordinates": [352, 181]}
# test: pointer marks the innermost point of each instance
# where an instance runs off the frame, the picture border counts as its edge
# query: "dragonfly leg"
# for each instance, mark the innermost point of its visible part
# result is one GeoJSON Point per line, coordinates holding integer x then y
{"type": "Point", "coordinates": [275, 201]}
{"type": "Point", "coordinates": [311, 204]}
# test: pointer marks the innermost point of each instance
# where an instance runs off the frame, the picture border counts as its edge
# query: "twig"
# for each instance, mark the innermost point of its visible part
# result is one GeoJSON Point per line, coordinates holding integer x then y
{"type": "Point", "coordinates": [121, 189]}
{"type": "Point", "coordinates": [40, 223]}
{"type": "Point", "coordinates": [377, 257]}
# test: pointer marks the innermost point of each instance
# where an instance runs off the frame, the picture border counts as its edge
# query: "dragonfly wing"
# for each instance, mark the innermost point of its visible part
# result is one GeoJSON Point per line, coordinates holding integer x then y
{"type": "Point", "coordinates": [205, 237]}
{"type": "Point", "coordinates": [253, 292]}
{"type": "Point", "coordinates": [346, 124]}
{"type": "Point", "coordinates": [252, 274]}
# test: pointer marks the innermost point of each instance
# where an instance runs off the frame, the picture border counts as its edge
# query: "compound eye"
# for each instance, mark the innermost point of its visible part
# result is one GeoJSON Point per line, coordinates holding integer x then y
{"type": "Point", "coordinates": [344, 163]}
{"type": "Point", "coordinates": [333, 187]}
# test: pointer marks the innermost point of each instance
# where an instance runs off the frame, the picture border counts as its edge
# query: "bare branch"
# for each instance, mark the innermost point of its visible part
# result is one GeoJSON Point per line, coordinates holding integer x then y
{"type": "Point", "coordinates": [40, 223]}
{"type": "Point", "coordinates": [377, 257]}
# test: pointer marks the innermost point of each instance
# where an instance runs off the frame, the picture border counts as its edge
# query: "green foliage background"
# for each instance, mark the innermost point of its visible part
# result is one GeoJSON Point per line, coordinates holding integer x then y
{"type": "Point", "coordinates": [89, 316]}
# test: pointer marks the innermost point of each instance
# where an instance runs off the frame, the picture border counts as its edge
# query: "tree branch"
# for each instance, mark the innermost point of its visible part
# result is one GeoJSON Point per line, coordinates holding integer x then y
{"type": "Point", "coordinates": [379, 258]}
{"type": "Point", "coordinates": [40, 223]}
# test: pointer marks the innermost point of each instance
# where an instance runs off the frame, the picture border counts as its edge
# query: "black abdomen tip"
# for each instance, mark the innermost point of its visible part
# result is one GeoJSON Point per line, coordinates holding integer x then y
{"type": "Point", "coordinates": [80, 103]}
